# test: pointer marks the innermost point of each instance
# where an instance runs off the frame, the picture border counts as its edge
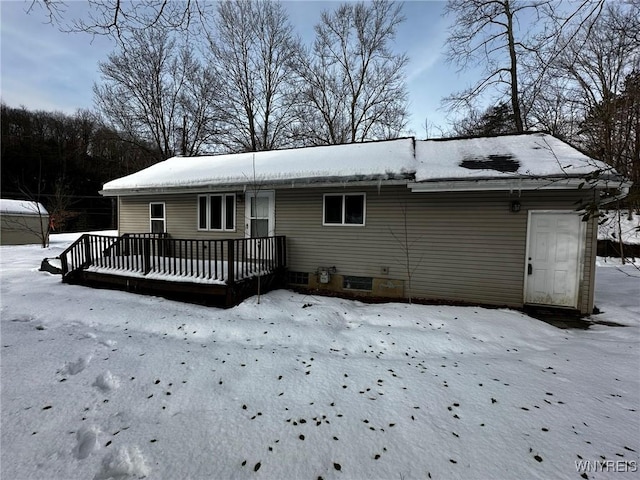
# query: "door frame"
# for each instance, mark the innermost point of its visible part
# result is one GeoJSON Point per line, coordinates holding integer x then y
{"type": "Point", "coordinates": [271, 195]}
{"type": "Point", "coordinates": [580, 255]}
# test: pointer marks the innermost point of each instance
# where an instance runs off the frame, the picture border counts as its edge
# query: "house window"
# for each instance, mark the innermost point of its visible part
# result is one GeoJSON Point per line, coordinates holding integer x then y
{"type": "Point", "coordinates": [217, 212]}
{"type": "Point", "coordinates": [344, 209]}
{"type": "Point", "coordinates": [357, 283]}
{"type": "Point", "coordinates": [157, 218]}
{"type": "Point", "coordinates": [299, 278]}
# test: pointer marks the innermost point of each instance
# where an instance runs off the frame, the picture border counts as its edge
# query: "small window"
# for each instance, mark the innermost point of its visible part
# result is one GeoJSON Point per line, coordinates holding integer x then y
{"type": "Point", "coordinates": [298, 278]}
{"type": "Point", "coordinates": [217, 212]}
{"type": "Point", "coordinates": [357, 283]}
{"type": "Point", "coordinates": [156, 218]}
{"type": "Point", "coordinates": [344, 209]}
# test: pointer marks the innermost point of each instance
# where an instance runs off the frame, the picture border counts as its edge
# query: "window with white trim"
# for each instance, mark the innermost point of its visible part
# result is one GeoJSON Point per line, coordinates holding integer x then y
{"type": "Point", "coordinates": [217, 212]}
{"type": "Point", "coordinates": [157, 220]}
{"type": "Point", "coordinates": [344, 209]}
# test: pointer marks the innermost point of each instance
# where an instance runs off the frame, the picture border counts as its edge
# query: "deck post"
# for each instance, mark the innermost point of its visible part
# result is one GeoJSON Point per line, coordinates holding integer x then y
{"type": "Point", "coordinates": [87, 250]}
{"type": "Point", "coordinates": [231, 270]}
{"type": "Point", "coordinates": [146, 255]}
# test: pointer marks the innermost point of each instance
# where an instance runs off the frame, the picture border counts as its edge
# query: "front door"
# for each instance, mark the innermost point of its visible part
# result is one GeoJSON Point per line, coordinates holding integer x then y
{"type": "Point", "coordinates": [554, 258]}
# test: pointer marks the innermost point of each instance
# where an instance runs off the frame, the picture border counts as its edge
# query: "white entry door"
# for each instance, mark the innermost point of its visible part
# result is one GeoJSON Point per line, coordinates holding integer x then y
{"type": "Point", "coordinates": [554, 250]}
{"type": "Point", "coordinates": [260, 214]}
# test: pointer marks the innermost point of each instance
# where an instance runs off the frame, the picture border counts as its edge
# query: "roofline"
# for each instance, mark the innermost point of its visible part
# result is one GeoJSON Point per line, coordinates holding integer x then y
{"type": "Point", "coordinates": [446, 185]}
{"type": "Point", "coordinates": [494, 135]}
{"type": "Point", "coordinates": [326, 182]}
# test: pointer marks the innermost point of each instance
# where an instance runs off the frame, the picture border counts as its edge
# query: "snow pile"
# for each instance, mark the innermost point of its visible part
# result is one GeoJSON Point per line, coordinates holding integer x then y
{"type": "Point", "coordinates": [307, 387]}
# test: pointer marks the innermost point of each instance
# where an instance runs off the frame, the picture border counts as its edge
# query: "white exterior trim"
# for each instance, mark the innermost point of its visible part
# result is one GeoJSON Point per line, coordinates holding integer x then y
{"type": "Point", "coordinates": [271, 194]}
{"type": "Point", "coordinates": [580, 260]}
{"type": "Point", "coordinates": [511, 184]}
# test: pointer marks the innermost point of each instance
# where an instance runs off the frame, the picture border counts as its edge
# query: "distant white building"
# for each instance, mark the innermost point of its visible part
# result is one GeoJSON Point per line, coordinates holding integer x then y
{"type": "Point", "coordinates": [23, 222]}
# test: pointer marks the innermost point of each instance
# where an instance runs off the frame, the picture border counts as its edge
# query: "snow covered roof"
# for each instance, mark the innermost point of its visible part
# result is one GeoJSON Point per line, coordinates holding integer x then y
{"type": "Point", "coordinates": [356, 161]}
{"type": "Point", "coordinates": [22, 207]}
{"type": "Point", "coordinates": [488, 158]}
{"type": "Point", "coordinates": [526, 155]}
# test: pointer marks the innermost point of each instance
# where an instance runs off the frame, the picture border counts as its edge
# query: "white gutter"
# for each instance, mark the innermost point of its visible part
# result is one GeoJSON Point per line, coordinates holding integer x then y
{"type": "Point", "coordinates": [514, 184]}
{"type": "Point", "coordinates": [248, 185]}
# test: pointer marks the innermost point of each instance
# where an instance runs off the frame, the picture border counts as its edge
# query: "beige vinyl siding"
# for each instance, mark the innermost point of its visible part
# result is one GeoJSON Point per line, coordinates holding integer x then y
{"type": "Point", "coordinates": [181, 216]}
{"type": "Point", "coordinates": [17, 229]}
{"type": "Point", "coordinates": [463, 246]}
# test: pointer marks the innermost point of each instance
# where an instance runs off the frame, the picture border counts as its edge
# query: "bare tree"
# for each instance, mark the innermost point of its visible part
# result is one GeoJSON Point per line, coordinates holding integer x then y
{"type": "Point", "coordinates": [485, 33]}
{"type": "Point", "coordinates": [354, 84]}
{"type": "Point", "coordinates": [119, 18]}
{"type": "Point", "coordinates": [155, 90]}
{"type": "Point", "coordinates": [602, 68]}
{"type": "Point", "coordinates": [515, 42]}
{"type": "Point", "coordinates": [252, 48]}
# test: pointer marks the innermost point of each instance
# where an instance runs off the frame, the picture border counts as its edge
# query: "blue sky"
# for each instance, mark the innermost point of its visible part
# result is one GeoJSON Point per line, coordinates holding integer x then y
{"type": "Point", "coordinates": [43, 68]}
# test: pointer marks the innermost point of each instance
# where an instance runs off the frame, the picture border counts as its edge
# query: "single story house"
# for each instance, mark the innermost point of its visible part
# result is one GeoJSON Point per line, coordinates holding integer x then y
{"type": "Point", "coordinates": [492, 220]}
{"type": "Point", "coordinates": [23, 222]}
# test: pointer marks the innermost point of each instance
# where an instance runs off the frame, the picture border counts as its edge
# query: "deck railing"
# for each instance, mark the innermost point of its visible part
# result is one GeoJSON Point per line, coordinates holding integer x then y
{"type": "Point", "coordinates": [158, 256]}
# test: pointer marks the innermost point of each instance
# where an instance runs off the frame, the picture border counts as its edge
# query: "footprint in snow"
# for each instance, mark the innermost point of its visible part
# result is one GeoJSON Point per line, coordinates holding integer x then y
{"type": "Point", "coordinates": [108, 343]}
{"type": "Point", "coordinates": [73, 368]}
{"type": "Point", "coordinates": [121, 463]}
{"type": "Point", "coordinates": [106, 381]}
{"type": "Point", "coordinates": [87, 438]}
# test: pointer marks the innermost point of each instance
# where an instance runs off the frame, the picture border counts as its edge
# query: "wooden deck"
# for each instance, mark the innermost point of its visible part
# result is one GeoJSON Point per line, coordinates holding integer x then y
{"type": "Point", "coordinates": [211, 272]}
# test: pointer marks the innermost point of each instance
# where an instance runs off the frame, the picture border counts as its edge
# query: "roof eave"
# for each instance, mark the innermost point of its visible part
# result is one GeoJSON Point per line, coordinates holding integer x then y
{"type": "Point", "coordinates": [327, 182]}
{"type": "Point", "coordinates": [517, 184]}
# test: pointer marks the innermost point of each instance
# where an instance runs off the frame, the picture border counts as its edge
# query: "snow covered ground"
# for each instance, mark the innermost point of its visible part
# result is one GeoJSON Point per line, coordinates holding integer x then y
{"type": "Point", "coordinates": [615, 225]}
{"type": "Point", "coordinates": [103, 384]}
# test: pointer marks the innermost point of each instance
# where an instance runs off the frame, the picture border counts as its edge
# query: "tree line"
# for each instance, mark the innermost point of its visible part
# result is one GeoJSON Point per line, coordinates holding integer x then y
{"type": "Point", "coordinates": [62, 162]}
{"type": "Point", "coordinates": [202, 77]}
{"type": "Point", "coordinates": [244, 81]}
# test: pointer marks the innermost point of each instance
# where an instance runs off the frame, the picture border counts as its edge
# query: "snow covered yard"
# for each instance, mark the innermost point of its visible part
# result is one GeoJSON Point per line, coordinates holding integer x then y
{"type": "Point", "coordinates": [104, 384]}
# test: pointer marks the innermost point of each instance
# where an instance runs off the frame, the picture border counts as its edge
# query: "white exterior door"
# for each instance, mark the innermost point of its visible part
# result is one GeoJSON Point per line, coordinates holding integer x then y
{"type": "Point", "coordinates": [259, 223]}
{"type": "Point", "coordinates": [260, 214]}
{"type": "Point", "coordinates": [554, 255]}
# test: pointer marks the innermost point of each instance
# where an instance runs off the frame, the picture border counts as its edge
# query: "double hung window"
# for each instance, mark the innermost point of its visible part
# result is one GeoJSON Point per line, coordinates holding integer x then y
{"type": "Point", "coordinates": [157, 219]}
